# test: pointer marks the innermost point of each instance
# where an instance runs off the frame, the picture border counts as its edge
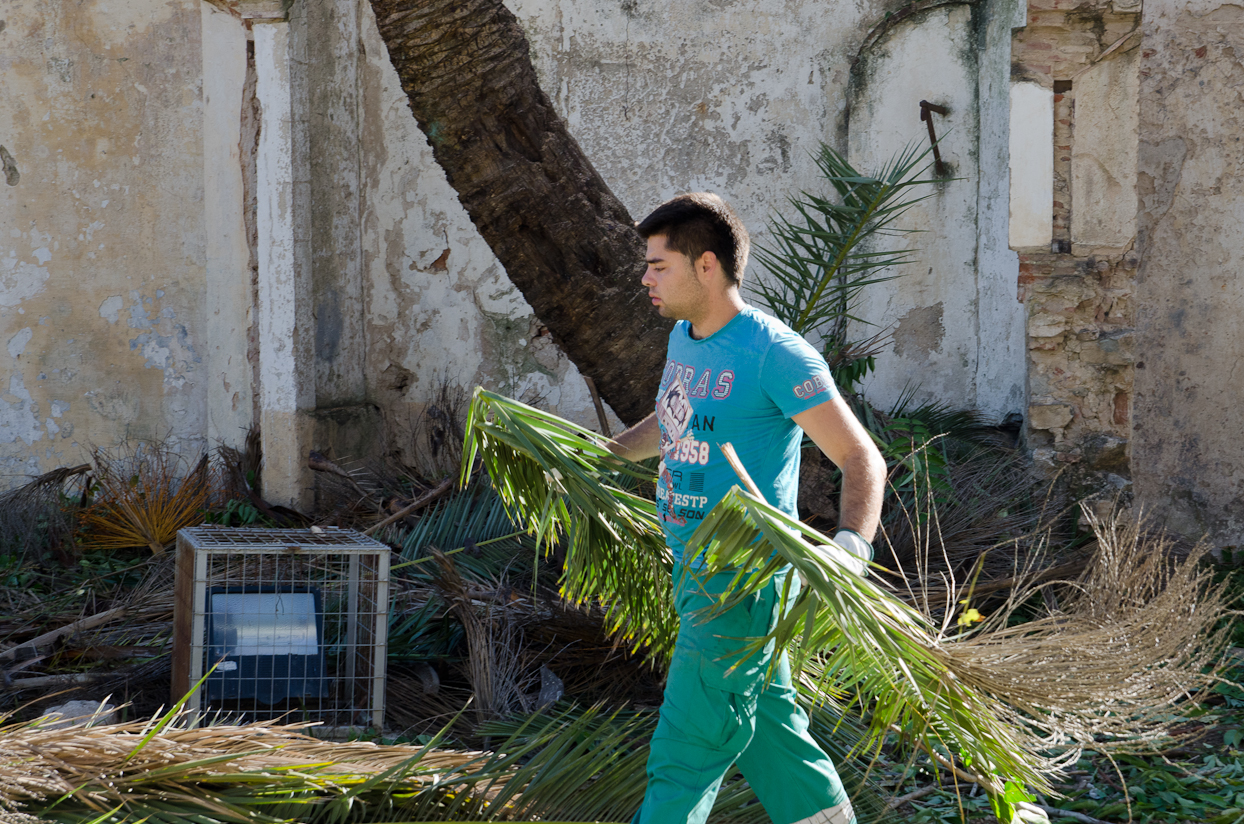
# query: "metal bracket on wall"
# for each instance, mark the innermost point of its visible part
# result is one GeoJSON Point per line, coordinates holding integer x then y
{"type": "Point", "coordinates": [926, 110]}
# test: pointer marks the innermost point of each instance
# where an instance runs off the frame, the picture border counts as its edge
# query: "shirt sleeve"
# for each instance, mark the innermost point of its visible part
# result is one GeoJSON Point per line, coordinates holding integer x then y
{"type": "Point", "coordinates": [795, 376]}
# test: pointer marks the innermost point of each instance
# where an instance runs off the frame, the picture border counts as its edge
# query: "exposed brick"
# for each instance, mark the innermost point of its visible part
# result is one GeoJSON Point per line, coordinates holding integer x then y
{"type": "Point", "coordinates": [1122, 400]}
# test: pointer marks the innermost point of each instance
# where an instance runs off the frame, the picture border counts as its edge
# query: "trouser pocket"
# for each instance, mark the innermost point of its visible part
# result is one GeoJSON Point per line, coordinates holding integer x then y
{"type": "Point", "coordinates": [724, 644]}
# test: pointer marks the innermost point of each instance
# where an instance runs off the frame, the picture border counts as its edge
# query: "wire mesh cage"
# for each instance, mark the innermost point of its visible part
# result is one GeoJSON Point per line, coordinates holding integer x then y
{"type": "Point", "coordinates": [282, 624]}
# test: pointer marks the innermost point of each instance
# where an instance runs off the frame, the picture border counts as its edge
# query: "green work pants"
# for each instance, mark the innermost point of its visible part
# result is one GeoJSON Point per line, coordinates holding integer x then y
{"type": "Point", "coordinates": [713, 717]}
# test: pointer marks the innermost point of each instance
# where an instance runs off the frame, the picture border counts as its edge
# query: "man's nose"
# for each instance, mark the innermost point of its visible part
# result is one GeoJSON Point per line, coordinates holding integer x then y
{"type": "Point", "coordinates": [648, 280]}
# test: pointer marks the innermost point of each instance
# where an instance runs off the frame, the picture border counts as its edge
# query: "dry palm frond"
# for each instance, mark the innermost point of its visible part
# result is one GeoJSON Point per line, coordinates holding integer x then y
{"type": "Point", "coordinates": [102, 766]}
{"type": "Point", "coordinates": [35, 515]}
{"type": "Point", "coordinates": [492, 637]}
{"type": "Point", "coordinates": [240, 468]}
{"type": "Point", "coordinates": [565, 767]}
{"type": "Point", "coordinates": [1138, 634]}
{"type": "Point", "coordinates": [143, 498]}
{"type": "Point", "coordinates": [989, 509]}
{"type": "Point", "coordinates": [1139, 637]}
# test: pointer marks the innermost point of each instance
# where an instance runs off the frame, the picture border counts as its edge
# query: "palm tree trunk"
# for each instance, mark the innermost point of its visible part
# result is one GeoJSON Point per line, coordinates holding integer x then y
{"type": "Point", "coordinates": [565, 240]}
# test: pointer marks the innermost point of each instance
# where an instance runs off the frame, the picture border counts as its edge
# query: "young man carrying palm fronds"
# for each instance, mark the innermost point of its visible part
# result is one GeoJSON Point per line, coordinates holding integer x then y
{"type": "Point", "coordinates": [736, 376]}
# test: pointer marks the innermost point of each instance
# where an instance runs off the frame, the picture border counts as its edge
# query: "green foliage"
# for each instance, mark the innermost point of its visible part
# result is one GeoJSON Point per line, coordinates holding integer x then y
{"type": "Point", "coordinates": [827, 253]}
{"type": "Point", "coordinates": [548, 471]}
{"type": "Point", "coordinates": [1208, 789]}
{"type": "Point", "coordinates": [567, 489]}
{"type": "Point", "coordinates": [51, 581]}
{"type": "Point", "coordinates": [824, 255]}
{"type": "Point", "coordinates": [424, 634]}
{"type": "Point", "coordinates": [238, 512]}
{"type": "Point", "coordinates": [618, 788]}
{"type": "Point", "coordinates": [920, 445]}
{"type": "Point", "coordinates": [475, 525]}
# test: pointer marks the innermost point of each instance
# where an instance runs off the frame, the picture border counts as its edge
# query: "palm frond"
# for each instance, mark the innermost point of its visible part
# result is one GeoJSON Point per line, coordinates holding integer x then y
{"type": "Point", "coordinates": [1015, 704]}
{"type": "Point", "coordinates": [590, 765]}
{"type": "Point", "coordinates": [564, 486]}
{"type": "Point", "coordinates": [143, 498]}
{"type": "Point", "coordinates": [872, 644]}
{"type": "Point", "coordinates": [475, 525]}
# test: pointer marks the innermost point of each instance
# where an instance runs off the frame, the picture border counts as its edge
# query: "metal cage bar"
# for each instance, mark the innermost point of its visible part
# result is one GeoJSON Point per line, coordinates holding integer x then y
{"type": "Point", "coordinates": [266, 667]}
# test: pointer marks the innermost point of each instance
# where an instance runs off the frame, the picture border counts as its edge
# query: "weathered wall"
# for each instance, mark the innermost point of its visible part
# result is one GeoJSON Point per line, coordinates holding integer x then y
{"type": "Point", "coordinates": [102, 246]}
{"type": "Point", "coordinates": [1078, 290]}
{"type": "Point", "coordinates": [1031, 166]}
{"type": "Point", "coordinates": [671, 97]}
{"type": "Point", "coordinates": [404, 294]}
{"type": "Point", "coordinates": [129, 292]}
{"type": "Point", "coordinates": [931, 308]}
{"type": "Point", "coordinates": [1188, 456]}
{"type": "Point", "coordinates": [663, 98]}
{"type": "Point", "coordinates": [957, 328]}
{"type": "Point", "coordinates": [228, 302]}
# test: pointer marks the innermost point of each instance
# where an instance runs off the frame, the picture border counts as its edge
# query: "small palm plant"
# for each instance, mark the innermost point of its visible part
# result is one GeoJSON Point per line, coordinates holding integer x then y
{"type": "Point", "coordinates": [825, 255]}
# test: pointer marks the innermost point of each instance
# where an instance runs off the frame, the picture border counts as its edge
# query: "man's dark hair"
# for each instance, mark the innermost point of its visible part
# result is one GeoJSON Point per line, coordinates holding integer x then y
{"type": "Point", "coordinates": [700, 222]}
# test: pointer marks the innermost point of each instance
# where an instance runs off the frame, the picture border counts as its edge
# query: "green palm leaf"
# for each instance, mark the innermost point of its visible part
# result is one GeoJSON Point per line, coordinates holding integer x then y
{"type": "Point", "coordinates": [824, 254]}
{"type": "Point", "coordinates": [562, 483]}
{"type": "Point", "coordinates": [862, 640]}
{"type": "Point", "coordinates": [549, 471]}
{"type": "Point", "coordinates": [591, 765]}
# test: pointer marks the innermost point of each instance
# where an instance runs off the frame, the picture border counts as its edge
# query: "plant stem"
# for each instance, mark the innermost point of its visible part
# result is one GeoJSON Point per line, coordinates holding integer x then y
{"type": "Point", "coordinates": [459, 549]}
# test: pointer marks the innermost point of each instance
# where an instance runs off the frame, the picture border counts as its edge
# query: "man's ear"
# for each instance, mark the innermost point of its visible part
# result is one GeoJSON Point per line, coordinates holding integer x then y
{"type": "Point", "coordinates": [706, 267]}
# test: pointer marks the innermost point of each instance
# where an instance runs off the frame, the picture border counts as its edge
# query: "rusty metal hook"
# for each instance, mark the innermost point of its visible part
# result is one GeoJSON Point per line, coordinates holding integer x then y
{"type": "Point", "coordinates": [926, 110]}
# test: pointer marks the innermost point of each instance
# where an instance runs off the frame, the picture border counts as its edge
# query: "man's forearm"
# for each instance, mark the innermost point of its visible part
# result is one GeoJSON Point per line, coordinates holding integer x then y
{"type": "Point", "coordinates": [643, 440]}
{"type": "Point", "coordinates": [863, 486]}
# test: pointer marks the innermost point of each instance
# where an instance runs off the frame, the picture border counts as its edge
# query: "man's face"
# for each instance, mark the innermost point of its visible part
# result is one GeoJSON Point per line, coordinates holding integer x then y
{"type": "Point", "coordinates": [672, 283]}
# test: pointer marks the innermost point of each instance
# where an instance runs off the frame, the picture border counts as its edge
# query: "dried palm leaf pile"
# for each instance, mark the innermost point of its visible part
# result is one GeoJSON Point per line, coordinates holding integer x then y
{"type": "Point", "coordinates": [227, 773]}
{"type": "Point", "coordinates": [566, 766]}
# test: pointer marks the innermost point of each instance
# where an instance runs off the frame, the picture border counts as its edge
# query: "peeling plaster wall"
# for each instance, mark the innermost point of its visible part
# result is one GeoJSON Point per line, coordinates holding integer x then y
{"type": "Point", "coordinates": [1103, 157]}
{"type": "Point", "coordinates": [1189, 456]}
{"type": "Point", "coordinates": [957, 329]}
{"type": "Point", "coordinates": [664, 98]}
{"type": "Point", "coordinates": [729, 95]}
{"type": "Point", "coordinates": [726, 95]}
{"type": "Point", "coordinates": [101, 229]}
{"type": "Point", "coordinates": [327, 33]}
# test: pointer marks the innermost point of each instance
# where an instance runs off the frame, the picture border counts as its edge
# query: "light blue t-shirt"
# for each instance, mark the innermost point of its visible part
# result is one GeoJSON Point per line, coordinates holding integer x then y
{"type": "Point", "coordinates": [741, 385]}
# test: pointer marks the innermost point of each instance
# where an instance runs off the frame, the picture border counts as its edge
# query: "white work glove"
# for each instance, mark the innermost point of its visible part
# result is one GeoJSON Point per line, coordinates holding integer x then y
{"type": "Point", "coordinates": [1026, 813]}
{"type": "Point", "coordinates": [852, 552]}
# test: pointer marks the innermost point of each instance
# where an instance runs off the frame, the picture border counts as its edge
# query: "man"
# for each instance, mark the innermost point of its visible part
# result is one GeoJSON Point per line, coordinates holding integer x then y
{"type": "Point", "coordinates": [734, 375]}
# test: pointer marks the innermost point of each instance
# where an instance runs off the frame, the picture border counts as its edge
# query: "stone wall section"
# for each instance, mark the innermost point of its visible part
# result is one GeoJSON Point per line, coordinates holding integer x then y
{"type": "Point", "coordinates": [1188, 463]}
{"type": "Point", "coordinates": [1080, 308]}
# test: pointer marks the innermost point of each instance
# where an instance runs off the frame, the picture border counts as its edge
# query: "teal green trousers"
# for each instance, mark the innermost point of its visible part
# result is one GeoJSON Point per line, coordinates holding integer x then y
{"type": "Point", "coordinates": [714, 716]}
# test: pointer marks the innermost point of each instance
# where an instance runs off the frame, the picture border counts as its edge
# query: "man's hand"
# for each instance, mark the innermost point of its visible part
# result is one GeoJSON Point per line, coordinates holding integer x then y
{"type": "Point", "coordinates": [643, 440]}
{"type": "Point", "coordinates": [848, 551]}
{"type": "Point", "coordinates": [832, 427]}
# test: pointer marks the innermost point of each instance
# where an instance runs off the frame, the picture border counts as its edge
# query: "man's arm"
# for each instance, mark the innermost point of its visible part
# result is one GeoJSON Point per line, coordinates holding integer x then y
{"type": "Point", "coordinates": [832, 427]}
{"type": "Point", "coordinates": [643, 440]}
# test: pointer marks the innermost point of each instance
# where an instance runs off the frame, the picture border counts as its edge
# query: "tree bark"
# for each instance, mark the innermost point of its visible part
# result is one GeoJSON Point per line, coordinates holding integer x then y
{"type": "Point", "coordinates": [565, 240]}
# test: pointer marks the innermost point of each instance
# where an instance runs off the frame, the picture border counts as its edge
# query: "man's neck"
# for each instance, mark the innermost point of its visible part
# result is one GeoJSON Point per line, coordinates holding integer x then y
{"type": "Point", "coordinates": [720, 310]}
